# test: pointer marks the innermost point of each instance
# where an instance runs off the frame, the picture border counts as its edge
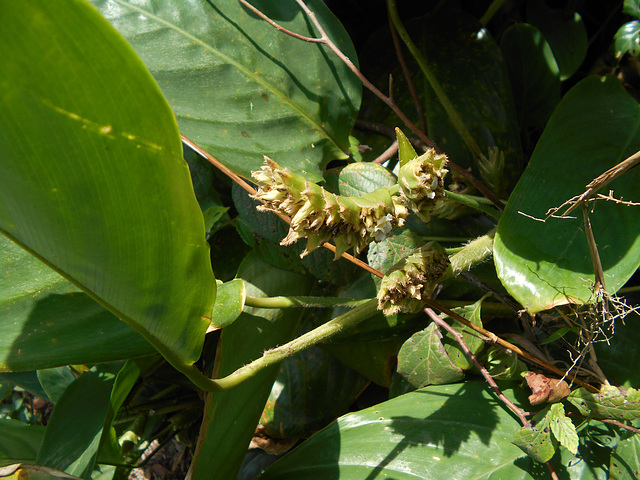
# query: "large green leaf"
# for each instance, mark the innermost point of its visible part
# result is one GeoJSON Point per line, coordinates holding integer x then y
{"type": "Point", "coordinates": [543, 264]}
{"type": "Point", "coordinates": [444, 432]}
{"type": "Point", "coordinates": [92, 177]}
{"type": "Point", "coordinates": [47, 321]}
{"type": "Point", "coordinates": [231, 416]}
{"type": "Point", "coordinates": [239, 87]}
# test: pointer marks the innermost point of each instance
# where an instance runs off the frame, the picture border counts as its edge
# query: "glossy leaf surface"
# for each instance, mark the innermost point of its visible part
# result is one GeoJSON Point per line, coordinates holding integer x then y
{"type": "Point", "coordinates": [240, 88]}
{"type": "Point", "coordinates": [93, 181]}
{"type": "Point", "coordinates": [453, 432]}
{"type": "Point", "coordinates": [229, 302]}
{"type": "Point", "coordinates": [543, 264]}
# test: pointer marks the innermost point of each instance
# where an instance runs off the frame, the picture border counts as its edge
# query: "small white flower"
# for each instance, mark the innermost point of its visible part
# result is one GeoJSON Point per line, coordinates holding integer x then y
{"type": "Point", "coordinates": [383, 227]}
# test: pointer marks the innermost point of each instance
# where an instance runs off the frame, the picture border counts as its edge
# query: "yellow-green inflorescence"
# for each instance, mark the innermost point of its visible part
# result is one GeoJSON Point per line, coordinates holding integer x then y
{"type": "Point", "coordinates": [321, 216]}
{"type": "Point", "coordinates": [412, 279]}
{"type": "Point", "coordinates": [421, 182]}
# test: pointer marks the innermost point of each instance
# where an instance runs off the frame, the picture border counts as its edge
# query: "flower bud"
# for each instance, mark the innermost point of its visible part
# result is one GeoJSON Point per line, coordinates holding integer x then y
{"type": "Point", "coordinates": [421, 182]}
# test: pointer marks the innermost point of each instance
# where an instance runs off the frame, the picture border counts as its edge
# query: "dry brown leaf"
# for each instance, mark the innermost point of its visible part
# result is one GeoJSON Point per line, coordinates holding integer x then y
{"type": "Point", "coordinates": [544, 389]}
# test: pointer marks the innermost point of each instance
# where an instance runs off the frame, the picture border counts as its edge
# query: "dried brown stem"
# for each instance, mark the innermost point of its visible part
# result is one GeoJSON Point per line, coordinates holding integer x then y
{"type": "Point", "coordinates": [492, 337]}
{"type": "Point", "coordinates": [522, 415]}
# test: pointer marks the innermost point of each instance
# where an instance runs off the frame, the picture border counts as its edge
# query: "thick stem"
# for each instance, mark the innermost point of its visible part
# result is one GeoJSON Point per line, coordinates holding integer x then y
{"type": "Point", "coordinates": [309, 339]}
{"type": "Point", "coordinates": [472, 254]}
{"type": "Point", "coordinates": [302, 302]}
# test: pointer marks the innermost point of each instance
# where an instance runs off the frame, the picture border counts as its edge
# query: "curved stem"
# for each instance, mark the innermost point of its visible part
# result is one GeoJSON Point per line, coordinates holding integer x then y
{"type": "Point", "coordinates": [473, 202]}
{"type": "Point", "coordinates": [302, 302]}
{"type": "Point", "coordinates": [309, 339]}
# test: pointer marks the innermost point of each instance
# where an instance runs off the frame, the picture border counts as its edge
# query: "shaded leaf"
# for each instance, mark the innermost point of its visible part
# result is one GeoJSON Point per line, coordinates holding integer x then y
{"type": "Point", "coordinates": [46, 321]}
{"type": "Point", "coordinates": [240, 88]}
{"type": "Point", "coordinates": [94, 188]}
{"type": "Point", "coordinates": [478, 87]}
{"type": "Point", "coordinates": [19, 442]}
{"type": "Point", "coordinates": [312, 389]}
{"type": "Point", "coordinates": [543, 264]}
{"type": "Point", "coordinates": [55, 381]}
{"type": "Point", "coordinates": [566, 33]}
{"type": "Point", "coordinates": [612, 402]}
{"type": "Point", "coordinates": [82, 409]}
{"type": "Point", "coordinates": [385, 254]}
{"type": "Point", "coordinates": [423, 360]}
{"type": "Point", "coordinates": [631, 7]}
{"type": "Point", "coordinates": [533, 71]}
{"type": "Point", "coordinates": [625, 460]}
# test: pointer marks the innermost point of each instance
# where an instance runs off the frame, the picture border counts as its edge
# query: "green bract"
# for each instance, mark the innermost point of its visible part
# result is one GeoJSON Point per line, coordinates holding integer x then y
{"type": "Point", "coordinates": [320, 216]}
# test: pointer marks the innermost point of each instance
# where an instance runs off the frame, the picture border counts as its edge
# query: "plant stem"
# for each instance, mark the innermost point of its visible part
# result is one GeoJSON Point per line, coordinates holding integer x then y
{"type": "Point", "coordinates": [472, 254]}
{"type": "Point", "coordinates": [315, 336]}
{"type": "Point", "coordinates": [473, 202]}
{"type": "Point", "coordinates": [301, 302]}
{"type": "Point", "coordinates": [491, 11]}
{"type": "Point", "coordinates": [465, 348]}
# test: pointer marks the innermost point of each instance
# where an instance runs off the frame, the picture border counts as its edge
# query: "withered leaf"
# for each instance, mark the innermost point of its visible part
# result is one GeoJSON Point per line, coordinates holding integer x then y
{"type": "Point", "coordinates": [544, 389]}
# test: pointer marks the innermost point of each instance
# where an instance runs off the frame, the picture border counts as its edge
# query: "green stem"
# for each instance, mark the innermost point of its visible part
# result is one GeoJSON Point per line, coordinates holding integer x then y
{"type": "Point", "coordinates": [491, 11]}
{"type": "Point", "coordinates": [474, 202]}
{"type": "Point", "coordinates": [454, 117]}
{"type": "Point", "coordinates": [472, 254]}
{"type": "Point", "coordinates": [315, 336]}
{"type": "Point", "coordinates": [298, 302]}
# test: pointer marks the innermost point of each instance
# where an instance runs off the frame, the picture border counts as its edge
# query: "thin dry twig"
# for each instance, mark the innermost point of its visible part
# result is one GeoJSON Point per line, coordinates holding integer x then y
{"type": "Point", "coordinates": [522, 415]}
{"type": "Point", "coordinates": [387, 154]}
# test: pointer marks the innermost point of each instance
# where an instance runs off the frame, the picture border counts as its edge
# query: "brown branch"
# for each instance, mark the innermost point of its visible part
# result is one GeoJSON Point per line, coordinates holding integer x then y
{"type": "Point", "coordinates": [495, 339]}
{"type": "Point", "coordinates": [522, 415]}
{"type": "Point", "coordinates": [252, 191]}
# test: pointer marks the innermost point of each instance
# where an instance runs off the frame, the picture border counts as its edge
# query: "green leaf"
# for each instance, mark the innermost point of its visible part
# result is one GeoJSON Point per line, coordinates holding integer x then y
{"type": "Point", "coordinates": [423, 360]}
{"type": "Point", "coordinates": [231, 416]}
{"type": "Point", "coordinates": [93, 180]}
{"type": "Point", "coordinates": [562, 428]}
{"type": "Point", "coordinates": [534, 73]}
{"type": "Point", "coordinates": [475, 344]}
{"type": "Point", "coordinates": [46, 321]}
{"type": "Point", "coordinates": [565, 32]}
{"type": "Point", "coordinates": [625, 460]}
{"type": "Point", "coordinates": [240, 88]}
{"type": "Point", "coordinates": [543, 264]}
{"type": "Point", "coordinates": [470, 68]}
{"type": "Point", "coordinates": [82, 409]}
{"type": "Point", "coordinates": [33, 472]}
{"type": "Point", "coordinates": [631, 7]}
{"type": "Point", "coordinates": [627, 40]}
{"type": "Point", "coordinates": [612, 402]}
{"type": "Point", "coordinates": [449, 431]}
{"type": "Point", "coordinates": [312, 390]}
{"type": "Point", "coordinates": [385, 254]}
{"type": "Point", "coordinates": [229, 303]}
{"type": "Point", "coordinates": [55, 381]}
{"type": "Point", "coordinates": [357, 179]}
{"type": "Point", "coordinates": [19, 442]}
{"type": "Point", "coordinates": [536, 443]}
